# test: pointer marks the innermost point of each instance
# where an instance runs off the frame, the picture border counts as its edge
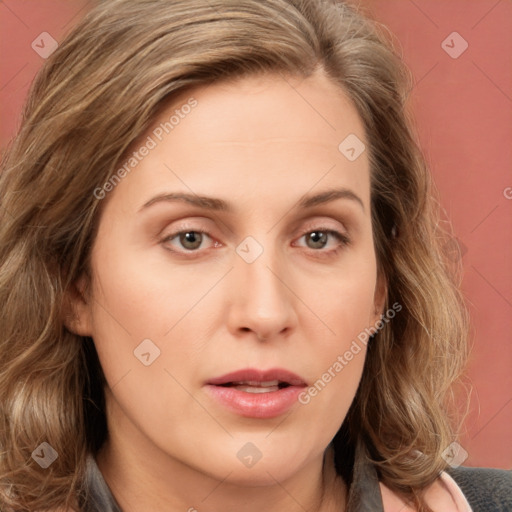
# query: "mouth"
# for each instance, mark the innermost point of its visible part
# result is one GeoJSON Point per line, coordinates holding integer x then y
{"type": "Point", "coordinates": [256, 393]}
{"type": "Point", "coordinates": [254, 386]}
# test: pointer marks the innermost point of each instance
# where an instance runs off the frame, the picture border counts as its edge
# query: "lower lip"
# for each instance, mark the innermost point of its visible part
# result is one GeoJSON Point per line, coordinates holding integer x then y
{"type": "Point", "coordinates": [256, 405]}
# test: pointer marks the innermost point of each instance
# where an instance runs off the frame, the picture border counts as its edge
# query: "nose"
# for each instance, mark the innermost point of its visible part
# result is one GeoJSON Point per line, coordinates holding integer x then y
{"type": "Point", "coordinates": [262, 301]}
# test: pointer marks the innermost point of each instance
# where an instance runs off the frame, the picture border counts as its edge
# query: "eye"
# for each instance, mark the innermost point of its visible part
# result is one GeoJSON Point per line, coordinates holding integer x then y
{"type": "Point", "coordinates": [191, 240]}
{"type": "Point", "coordinates": [319, 238]}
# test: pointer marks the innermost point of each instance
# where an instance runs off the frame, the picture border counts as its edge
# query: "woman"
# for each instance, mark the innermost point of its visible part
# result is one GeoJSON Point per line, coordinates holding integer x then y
{"type": "Point", "coordinates": [221, 284]}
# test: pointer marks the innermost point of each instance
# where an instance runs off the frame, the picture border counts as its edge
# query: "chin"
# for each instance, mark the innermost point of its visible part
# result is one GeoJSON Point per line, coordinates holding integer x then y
{"type": "Point", "coordinates": [245, 469]}
{"type": "Point", "coordinates": [261, 475]}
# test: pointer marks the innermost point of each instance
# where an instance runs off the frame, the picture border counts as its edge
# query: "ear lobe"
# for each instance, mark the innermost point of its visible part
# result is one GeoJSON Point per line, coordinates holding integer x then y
{"type": "Point", "coordinates": [76, 311]}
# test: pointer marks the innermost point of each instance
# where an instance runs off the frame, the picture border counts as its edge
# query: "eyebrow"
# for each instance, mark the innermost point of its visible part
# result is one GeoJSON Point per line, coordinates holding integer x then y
{"type": "Point", "coordinates": [215, 204]}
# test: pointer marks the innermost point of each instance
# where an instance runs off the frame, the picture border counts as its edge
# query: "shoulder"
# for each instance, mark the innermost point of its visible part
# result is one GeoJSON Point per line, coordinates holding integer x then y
{"type": "Point", "coordinates": [460, 490]}
{"type": "Point", "coordinates": [486, 489]}
{"type": "Point", "coordinates": [442, 494]}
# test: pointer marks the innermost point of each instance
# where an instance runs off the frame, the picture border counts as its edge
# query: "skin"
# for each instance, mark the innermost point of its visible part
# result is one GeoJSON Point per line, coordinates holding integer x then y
{"type": "Point", "coordinates": [260, 144]}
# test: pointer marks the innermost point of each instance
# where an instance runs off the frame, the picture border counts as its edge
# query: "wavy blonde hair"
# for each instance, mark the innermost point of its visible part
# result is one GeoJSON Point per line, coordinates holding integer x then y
{"type": "Point", "coordinates": [100, 91]}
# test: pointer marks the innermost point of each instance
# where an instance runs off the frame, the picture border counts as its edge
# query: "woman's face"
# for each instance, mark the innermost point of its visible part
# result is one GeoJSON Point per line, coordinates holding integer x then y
{"type": "Point", "coordinates": [210, 340]}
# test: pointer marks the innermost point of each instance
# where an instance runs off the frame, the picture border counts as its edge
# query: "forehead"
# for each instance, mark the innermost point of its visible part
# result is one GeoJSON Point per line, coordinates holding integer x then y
{"type": "Point", "coordinates": [264, 133]}
{"type": "Point", "coordinates": [267, 107]}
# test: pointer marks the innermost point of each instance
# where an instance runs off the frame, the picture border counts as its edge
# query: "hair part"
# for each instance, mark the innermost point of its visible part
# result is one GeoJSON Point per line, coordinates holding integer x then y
{"type": "Point", "coordinates": [99, 92]}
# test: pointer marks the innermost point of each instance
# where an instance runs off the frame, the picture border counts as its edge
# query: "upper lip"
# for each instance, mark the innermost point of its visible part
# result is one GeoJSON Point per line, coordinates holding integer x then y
{"type": "Point", "coordinates": [255, 375]}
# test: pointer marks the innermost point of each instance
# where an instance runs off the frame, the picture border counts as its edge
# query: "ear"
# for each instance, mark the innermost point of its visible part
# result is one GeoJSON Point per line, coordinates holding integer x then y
{"type": "Point", "coordinates": [380, 297]}
{"type": "Point", "coordinates": [76, 309]}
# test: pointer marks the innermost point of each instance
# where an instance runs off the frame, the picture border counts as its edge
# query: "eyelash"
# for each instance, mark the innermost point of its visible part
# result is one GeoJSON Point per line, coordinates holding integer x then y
{"type": "Point", "coordinates": [342, 238]}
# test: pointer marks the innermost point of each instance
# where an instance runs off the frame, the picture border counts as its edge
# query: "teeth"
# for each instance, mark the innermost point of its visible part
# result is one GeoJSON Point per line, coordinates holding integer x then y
{"type": "Point", "coordinates": [256, 389]}
{"type": "Point", "coordinates": [253, 386]}
{"type": "Point", "coordinates": [268, 383]}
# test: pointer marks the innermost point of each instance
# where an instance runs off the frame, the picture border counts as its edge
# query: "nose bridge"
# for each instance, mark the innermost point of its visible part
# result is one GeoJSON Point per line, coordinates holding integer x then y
{"type": "Point", "coordinates": [264, 303]}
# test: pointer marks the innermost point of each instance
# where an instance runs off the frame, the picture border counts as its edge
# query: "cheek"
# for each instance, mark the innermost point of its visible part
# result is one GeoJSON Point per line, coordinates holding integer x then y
{"type": "Point", "coordinates": [340, 352]}
{"type": "Point", "coordinates": [141, 294]}
{"type": "Point", "coordinates": [344, 304]}
{"type": "Point", "coordinates": [138, 298]}
{"type": "Point", "coordinates": [133, 302]}
{"type": "Point", "coordinates": [344, 307]}
{"type": "Point", "coordinates": [137, 314]}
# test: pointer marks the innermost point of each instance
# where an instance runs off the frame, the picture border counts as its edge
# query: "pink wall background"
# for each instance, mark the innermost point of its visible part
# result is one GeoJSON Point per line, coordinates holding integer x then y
{"type": "Point", "coordinates": [463, 105]}
{"type": "Point", "coordinates": [463, 109]}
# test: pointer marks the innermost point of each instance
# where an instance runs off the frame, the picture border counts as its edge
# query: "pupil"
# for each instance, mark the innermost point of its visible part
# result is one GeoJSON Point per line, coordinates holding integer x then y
{"type": "Point", "coordinates": [319, 238]}
{"type": "Point", "coordinates": [191, 239]}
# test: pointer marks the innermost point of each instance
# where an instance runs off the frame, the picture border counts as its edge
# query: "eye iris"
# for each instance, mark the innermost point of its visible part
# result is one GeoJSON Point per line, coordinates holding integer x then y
{"type": "Point", "coordinates": [191, 239]}
{"type": "Point", "coordinates": [319, 239]}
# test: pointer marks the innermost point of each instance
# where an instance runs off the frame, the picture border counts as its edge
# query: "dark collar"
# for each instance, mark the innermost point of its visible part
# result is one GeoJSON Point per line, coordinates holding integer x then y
{"type": "Point", "coordinates": [363, 496]}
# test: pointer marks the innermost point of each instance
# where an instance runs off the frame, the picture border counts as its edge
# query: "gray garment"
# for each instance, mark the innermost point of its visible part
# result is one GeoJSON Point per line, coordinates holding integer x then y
{"type": "Point", "coordinates": [99, 498]}
{"type": "Point", "coordinates": [487, 490]}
